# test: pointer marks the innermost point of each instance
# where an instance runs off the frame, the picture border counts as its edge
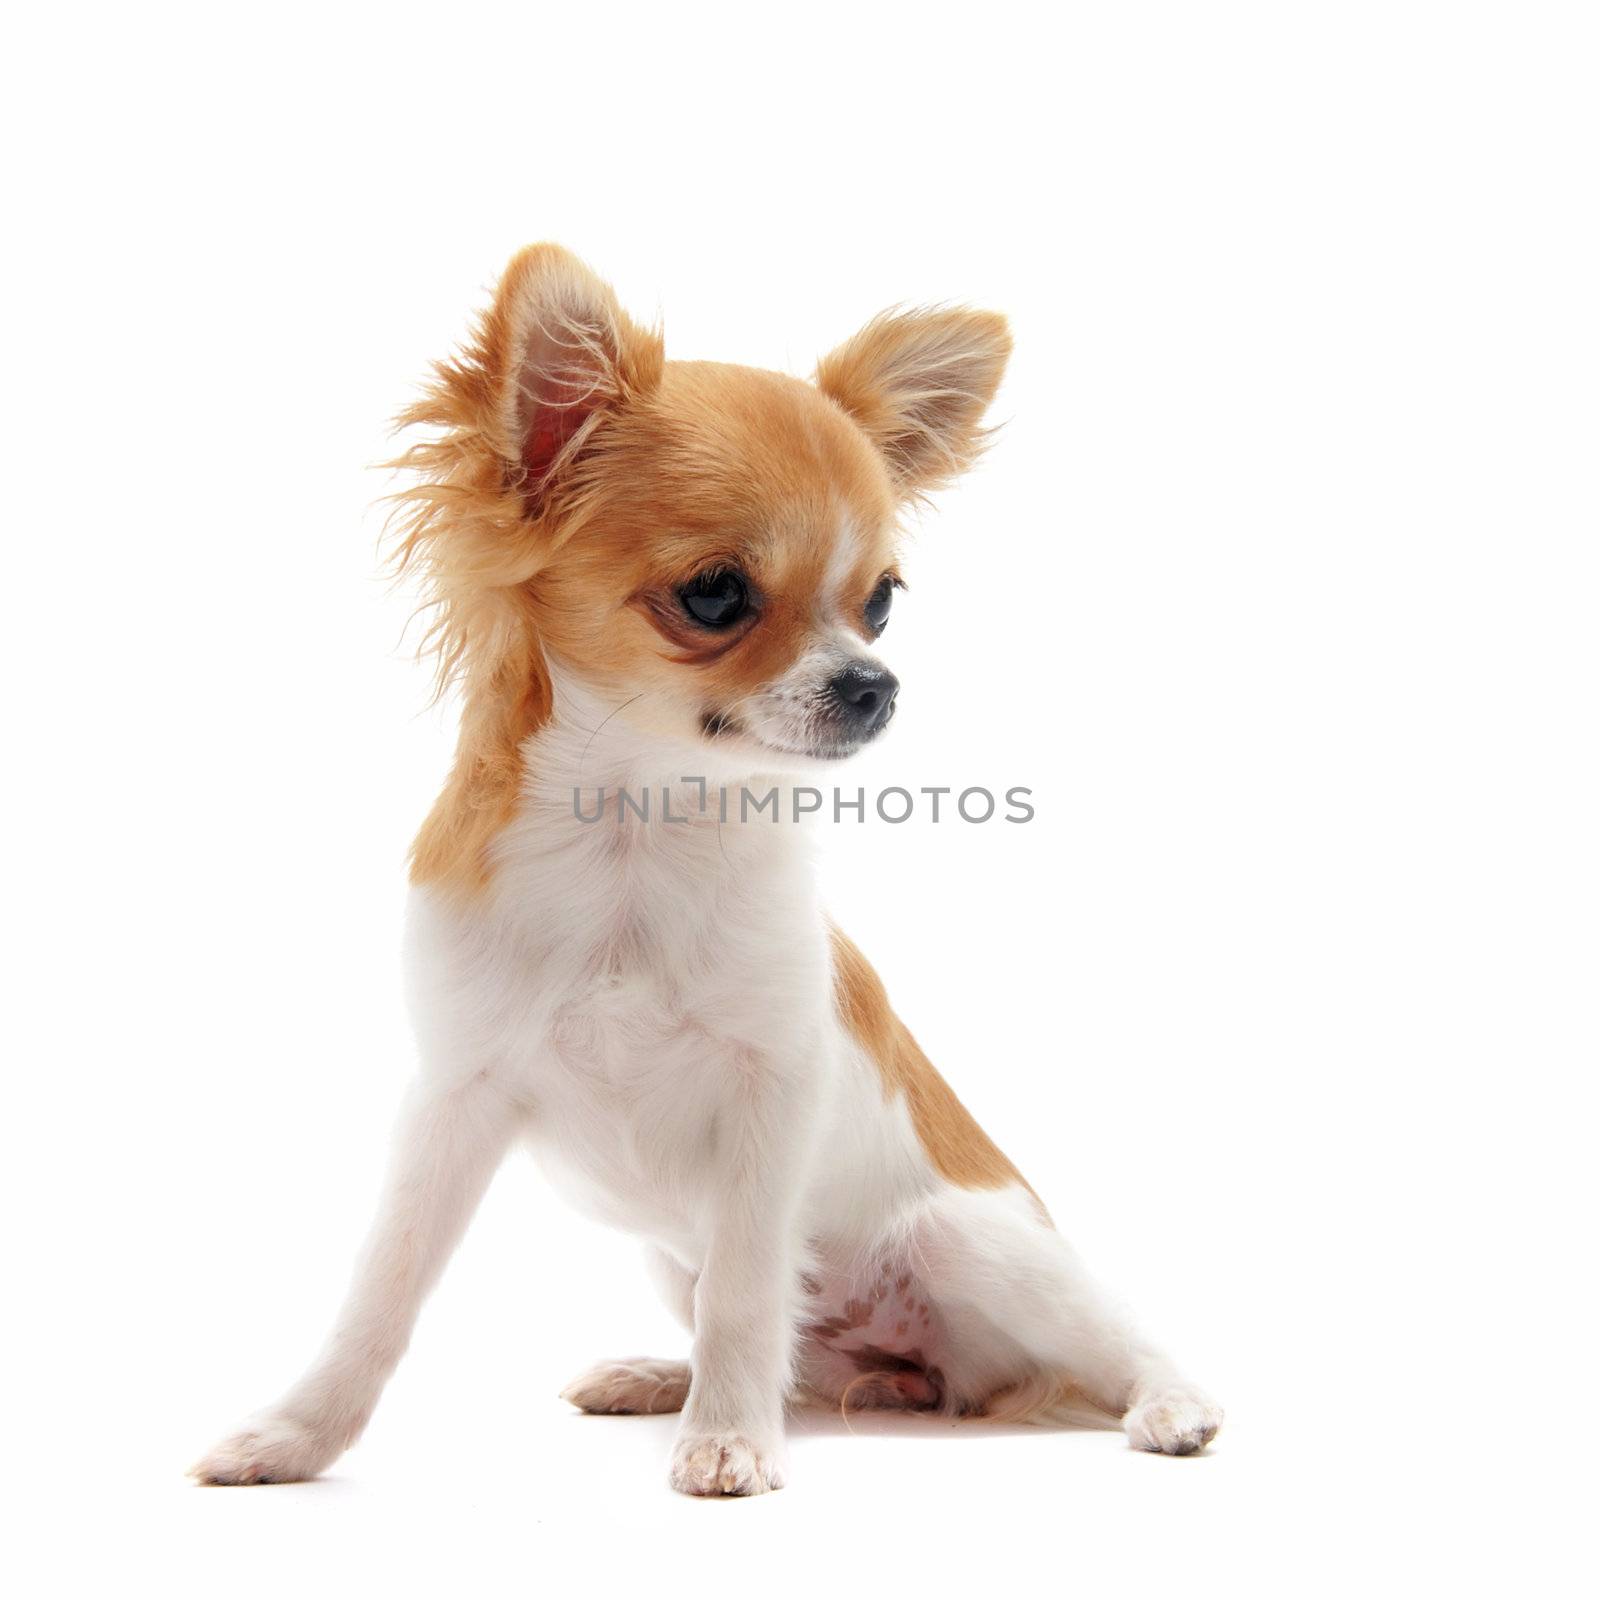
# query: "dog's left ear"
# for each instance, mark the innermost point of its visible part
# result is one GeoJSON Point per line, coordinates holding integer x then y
{"type": "Point", "coordinates": [918, 383]}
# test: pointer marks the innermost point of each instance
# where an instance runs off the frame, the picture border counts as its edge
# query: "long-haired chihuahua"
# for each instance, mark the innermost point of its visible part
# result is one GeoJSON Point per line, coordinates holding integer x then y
{"type": "Point", "coordinates": [645, 576]}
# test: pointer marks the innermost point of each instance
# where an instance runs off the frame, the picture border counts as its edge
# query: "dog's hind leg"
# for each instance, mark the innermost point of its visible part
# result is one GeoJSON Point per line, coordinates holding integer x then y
{"type": "Point", "coordinates": [636, 1387]}
{"type": "Point", "coordinates": [450, 1142]}
{"type": "Point", "coordinates": [642, 1385]}
{"type": "Point", "coordinates": [992, 1253]}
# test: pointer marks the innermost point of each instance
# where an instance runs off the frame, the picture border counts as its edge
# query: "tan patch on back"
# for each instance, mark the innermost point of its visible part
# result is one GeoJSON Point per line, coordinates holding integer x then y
{"type": "Point", "coordinates": [958, 1148]}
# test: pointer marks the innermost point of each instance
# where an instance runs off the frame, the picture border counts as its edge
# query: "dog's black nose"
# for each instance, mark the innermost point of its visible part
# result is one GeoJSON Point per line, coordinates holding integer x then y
{"type": "Point", "coordinates": [864, 694]}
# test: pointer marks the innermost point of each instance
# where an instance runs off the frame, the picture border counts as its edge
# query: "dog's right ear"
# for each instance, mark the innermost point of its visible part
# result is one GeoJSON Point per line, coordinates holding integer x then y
{"type": "Point", "coordinates": [562, 354]}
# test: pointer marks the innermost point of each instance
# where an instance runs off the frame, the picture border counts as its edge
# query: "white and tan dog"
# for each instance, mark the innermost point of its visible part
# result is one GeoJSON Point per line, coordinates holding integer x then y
{"type": "Point", "coordinates": [646, 572]}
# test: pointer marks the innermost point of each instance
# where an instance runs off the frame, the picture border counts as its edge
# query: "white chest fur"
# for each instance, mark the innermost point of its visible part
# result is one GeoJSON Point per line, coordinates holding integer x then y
{"type": "Point", "coordinates": [628, 979]}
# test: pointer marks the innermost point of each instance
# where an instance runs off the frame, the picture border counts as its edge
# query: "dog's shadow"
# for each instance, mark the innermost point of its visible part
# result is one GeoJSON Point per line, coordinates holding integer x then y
{"type": "Point", "coordinates": [819, 1421]}
{"type": "Point", "coordinates": [826, 1422]}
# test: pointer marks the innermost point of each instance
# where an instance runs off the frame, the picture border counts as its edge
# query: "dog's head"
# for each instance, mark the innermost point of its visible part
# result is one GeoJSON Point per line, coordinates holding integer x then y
{"type": "Point", "coordinates": [709, 548]}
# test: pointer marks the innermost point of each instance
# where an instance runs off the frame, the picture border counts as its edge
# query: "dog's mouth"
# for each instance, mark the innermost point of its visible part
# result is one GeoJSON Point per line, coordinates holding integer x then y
{"type": "Point", "coordinates": [723, 727]}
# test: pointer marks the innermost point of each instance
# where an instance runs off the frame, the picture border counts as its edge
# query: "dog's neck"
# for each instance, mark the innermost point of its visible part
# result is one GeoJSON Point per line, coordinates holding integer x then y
{"type": "Point", "coordinates": [624, 840]}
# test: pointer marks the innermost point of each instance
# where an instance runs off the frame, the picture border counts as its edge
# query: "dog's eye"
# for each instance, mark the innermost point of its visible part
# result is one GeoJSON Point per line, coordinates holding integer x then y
{"type": "Point", "coordinates": [716, 599]}
{"type": "Point", "coordinates": [877, 607]}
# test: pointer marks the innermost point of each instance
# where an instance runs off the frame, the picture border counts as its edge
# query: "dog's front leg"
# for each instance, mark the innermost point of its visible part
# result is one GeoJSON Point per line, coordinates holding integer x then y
{"type": "Point", "coordinates": [450, 1140]}
{"type": "Point", "coordinates": [730, 1441]}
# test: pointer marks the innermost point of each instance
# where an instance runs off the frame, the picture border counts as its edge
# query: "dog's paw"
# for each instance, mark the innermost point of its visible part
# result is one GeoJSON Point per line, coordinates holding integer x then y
{"type": "Point", "coordinates": [1174, 1420]}
{"type": "Point", "coordinates": [269, 1450]}
{"type": "Point", "coordinates": [630, 1388]}
{"type": "Point", "coordinates": [725, 1464]}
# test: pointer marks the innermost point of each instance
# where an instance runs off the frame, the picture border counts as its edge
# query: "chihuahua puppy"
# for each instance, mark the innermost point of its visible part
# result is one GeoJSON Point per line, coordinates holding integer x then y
{"type": "Point", "coordinates": [646, 575]}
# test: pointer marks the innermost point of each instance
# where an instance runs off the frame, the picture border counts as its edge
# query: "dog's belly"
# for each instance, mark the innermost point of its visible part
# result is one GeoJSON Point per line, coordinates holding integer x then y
{"type": "Point", "coordinates": [874, 1340]}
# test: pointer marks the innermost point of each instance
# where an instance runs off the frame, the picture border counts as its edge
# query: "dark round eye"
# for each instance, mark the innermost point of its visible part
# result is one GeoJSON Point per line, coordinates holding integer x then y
{"type": "Point", "coordinates": [877, 608]}
{"type": "Point", "coordinates": [716, 599]}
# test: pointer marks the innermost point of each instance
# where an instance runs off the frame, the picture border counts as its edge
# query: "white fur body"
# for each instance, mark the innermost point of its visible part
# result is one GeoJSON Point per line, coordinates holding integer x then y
{"type": "Point", "coordinates": [650, 1007]}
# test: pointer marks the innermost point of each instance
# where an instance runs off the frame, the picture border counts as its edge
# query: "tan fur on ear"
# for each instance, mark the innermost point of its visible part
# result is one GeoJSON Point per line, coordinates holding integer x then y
{"type": "Point", "coordinates": [918, 383]}
{"type": "Point", "coordinates": [549, 360]}
{"type": "Point", "coordinates": [570, 354]}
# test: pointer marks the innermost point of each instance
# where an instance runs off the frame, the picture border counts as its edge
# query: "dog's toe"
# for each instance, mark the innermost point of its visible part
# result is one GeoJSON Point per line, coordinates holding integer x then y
{"type": "Point", "coordinates": [725, 1464]}
{"type": "Point", "coordinates": [271, 1450]}
{"type": "Point", "coordinates": [1174, 1421]}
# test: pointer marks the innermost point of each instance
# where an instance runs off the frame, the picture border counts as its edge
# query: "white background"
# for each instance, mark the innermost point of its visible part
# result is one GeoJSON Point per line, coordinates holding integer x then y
{"type": "Point", "coordinates": [1279, 589]}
